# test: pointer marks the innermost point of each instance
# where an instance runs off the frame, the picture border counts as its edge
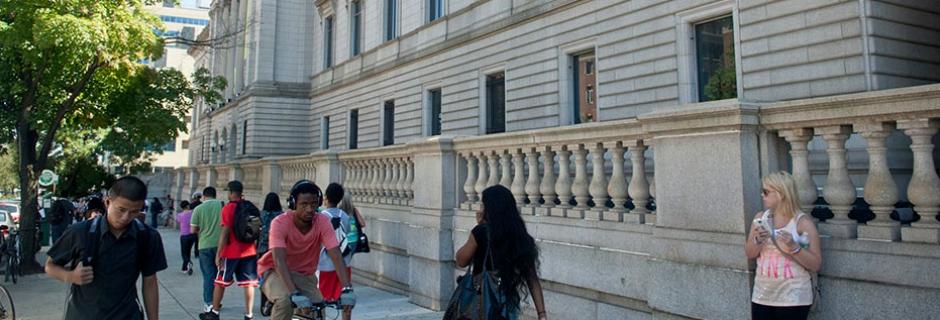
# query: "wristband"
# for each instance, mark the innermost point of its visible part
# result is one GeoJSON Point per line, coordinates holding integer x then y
{"type": "Point", "coordinates": [798, 249]}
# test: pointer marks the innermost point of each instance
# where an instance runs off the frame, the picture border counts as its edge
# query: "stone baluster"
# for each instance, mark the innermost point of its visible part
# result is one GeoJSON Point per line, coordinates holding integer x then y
{"type": "Point", "coordinates": [617, 187]}
{"type": "Point", "coordinates": [506, 173]}
{"type": "Point", "coordinates": [563, 183]}
{"type": "Point", "coordinates": [924, 189]}
{"type": "Point", "coordinates": [580, 187]}
{"type": "Point", "coordinates": [598, 187]}
{"type": "Point", "coordinates": [493, 160]}
{"type": "Point", "coordinates": [367, 175]}
{"type": "Point", "coordinates": [398, 186]}
{"type": "Point", "coordinates": [468, 185]}
{"type": "Point", "coordinates": [403, 171]}
{"type": "Point", "coordinates": [518, 180]}
{"type": "Point", "coordinates": [881, 192]}
{"type": "Point", "coordinates": [532, 185]}
{"type": "Point", "coordinates": [547, 186]}
{"type": "Point", "coordinates": [639, 189]}
{"type": "Point", "coordinates": [388, 185]}
{"type": "Point", "coordinates": [798, 140]}
{"type": "Point", "coordinates": [482, 176]}
{"type": "Point", "coordinates": [409, 179]}
{"type": "Point", "coordinates": [374, 186]}
{"type": "Point", "coordinates": [349, 178]}
{"type": "Point", "coordinates": [839, 191]}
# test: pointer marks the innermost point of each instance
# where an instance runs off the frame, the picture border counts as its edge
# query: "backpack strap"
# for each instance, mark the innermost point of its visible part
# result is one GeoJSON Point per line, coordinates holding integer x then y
{"type": "Point", "coordinates": [143, 243]}
{"type": "Point", "coordinates": [92, 238]}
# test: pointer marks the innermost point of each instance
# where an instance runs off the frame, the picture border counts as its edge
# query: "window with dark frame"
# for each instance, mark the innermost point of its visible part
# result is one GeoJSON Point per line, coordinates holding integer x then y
{"type": "Point", "coordinates": [585, 82]}
{"type": "Point", "coordinates": [245, 137]}
{"type": "Point", "coordinates": [325, 133]}
{"type": "Point", "coordinates": [434, 101]}
{"type": "Point", "coordinates": [388, 123]}
{"type": "Point", "coordinates": [328, 42]}
{"type": "Point", "coordinates": [715, 59]}
{"type": "Point", "coordinates": [391, 19]}
{"type": "Point", "coordinates": [435, 9]}
{"type": "Point", "coordinates": [495, 103]}
{"type": "Point", "coordinates": [355, 19]}
{"type": "Point", "coordinates": [353, 130]}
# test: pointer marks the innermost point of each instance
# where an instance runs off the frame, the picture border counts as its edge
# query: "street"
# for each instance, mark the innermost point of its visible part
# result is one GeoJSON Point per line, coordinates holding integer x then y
{"type": "Point", "coordinates": [38, 297]}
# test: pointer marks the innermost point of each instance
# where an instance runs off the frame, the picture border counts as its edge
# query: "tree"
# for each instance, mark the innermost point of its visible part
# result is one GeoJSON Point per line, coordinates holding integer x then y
{"type": "Point", "coordinates": [72, 67]}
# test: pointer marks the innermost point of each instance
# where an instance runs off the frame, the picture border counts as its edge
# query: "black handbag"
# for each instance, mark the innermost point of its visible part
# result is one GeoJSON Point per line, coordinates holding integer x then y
{"type": "Point", "coordinates": [477, 297]}
{"type": "Point", "coordinates": [362, 244]}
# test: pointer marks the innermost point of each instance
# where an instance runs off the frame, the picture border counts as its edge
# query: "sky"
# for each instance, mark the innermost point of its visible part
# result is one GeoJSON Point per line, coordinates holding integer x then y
{"type": "Point", "coordinates": [194, 3]}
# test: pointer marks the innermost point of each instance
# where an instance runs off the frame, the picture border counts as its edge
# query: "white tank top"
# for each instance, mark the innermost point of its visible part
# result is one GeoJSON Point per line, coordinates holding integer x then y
{"type": "Point", "coordinates": [781, 281]}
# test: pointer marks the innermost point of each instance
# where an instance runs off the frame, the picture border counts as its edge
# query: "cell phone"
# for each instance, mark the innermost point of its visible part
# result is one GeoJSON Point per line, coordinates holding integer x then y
{"type": "Point", "coordinates": [763, 224]}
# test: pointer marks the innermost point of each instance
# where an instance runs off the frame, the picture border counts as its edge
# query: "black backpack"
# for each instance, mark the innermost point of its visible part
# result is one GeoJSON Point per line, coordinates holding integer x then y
{"type": "Point", "coordinates": [247, 224]}
{"type": "Point", "coordinates": [59, 212]}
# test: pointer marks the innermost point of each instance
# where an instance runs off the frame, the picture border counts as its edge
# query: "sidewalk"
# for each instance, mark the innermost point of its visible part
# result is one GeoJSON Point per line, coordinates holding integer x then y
{"type": "Point", "coordinates": [38, 297]}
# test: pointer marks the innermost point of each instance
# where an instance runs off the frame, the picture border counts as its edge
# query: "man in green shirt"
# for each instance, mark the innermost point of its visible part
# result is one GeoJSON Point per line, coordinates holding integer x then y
{"type": "Point", "coordinates": [207, 223]}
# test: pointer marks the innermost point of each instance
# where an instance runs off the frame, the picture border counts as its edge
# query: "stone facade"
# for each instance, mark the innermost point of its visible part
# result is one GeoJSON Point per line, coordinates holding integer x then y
{"type": "Point", "coordinates": [814, 97]}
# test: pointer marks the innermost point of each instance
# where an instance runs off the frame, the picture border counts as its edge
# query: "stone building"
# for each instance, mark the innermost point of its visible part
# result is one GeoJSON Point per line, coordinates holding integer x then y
{"type": "Point", "coordinates": [633, 134]}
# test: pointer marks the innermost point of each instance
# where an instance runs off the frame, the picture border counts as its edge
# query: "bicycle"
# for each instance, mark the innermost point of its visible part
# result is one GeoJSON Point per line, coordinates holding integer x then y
{"type": "Point", "coordinates": [6, 305]}
{"type": "Point", "coordinates": [11, 249]}
{"type": "Point", "coordinates": [304, 309]}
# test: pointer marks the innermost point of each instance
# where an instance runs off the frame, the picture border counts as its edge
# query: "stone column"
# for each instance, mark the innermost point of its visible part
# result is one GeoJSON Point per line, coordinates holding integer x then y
{"type": "Point", "coordinates": [839, 191]}
{"type": "Point", "coordinates": [598, 187]}
{"type": "Point", "coordinates": [518, 180]}
{"type": "Point", "coordinates": [639, 188]}
{"type": "Point", "coordinates": [617, 188]}
{"type": "Point", "coordinates": [271, 178]}
{"type": "Point", "coordinates": [469, 185]}
{"type": "Point", "coordinates": [532, 185]}
{"type": "Point", "coordinates": [880, 190]}
{"type": "Point", "coordinates": [563, 184]}
{"type": "Point", "coordinates": [924, 189]}
{"type": "Point", "coordinates": [429, 240]}
{"type": "Point", "coordinates": [547, 186]}
{"type": "Point", "coordinates": [798, 140]}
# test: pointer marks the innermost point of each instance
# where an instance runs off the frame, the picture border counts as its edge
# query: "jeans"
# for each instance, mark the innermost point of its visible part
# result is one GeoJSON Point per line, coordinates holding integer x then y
{"type": "Point", "coordinates": [186, 244]}
{"type": "Point", "coordinates": [209, 271]}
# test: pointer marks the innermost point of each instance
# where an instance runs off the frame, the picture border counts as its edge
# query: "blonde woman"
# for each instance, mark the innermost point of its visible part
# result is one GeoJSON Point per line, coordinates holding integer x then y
{"type": "Point", "coordinates": [783, 287]}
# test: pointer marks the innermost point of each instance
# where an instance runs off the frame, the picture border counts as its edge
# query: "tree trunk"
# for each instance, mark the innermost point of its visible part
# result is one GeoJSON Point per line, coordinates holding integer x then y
{"type": "Point", "coordinates": [29, 205]}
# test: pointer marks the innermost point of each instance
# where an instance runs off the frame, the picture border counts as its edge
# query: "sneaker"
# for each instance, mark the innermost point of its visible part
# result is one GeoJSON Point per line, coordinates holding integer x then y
{"type": "Point", "coordinates": [207, 308]}
{"type": "Point", "coordinates": [266, 307]}
{"type": "Point", "coordinates": [210, 315]}
{"type": "Point", "coordinates": [249, 317]}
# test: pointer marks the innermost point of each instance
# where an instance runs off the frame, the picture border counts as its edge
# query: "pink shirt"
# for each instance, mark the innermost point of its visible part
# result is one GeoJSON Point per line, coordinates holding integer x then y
{"type": "Point", "coordinates": [183, 218]}
{"type": "Point", "coordinates": [303, 250]}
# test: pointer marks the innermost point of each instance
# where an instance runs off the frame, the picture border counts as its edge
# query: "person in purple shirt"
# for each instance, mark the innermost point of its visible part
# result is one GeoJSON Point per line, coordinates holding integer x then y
{"type": "Point", "coordinates": [187, 237]}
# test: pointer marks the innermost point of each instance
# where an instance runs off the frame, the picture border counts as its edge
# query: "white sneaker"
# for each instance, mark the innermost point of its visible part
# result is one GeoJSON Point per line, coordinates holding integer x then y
{"type": "Point", "coordinates": [207, 308]}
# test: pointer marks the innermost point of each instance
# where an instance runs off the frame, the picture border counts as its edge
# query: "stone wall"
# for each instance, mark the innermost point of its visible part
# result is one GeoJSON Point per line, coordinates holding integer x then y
{"type": "Point", "coordinates": [682, 256]}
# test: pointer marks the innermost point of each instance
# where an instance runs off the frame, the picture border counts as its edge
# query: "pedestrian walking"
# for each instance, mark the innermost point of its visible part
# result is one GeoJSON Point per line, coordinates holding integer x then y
{"type": "Point", "coordinates": [102, 258]}
{"type": "Point", "coordinates": [500, 239]}
{"type": "Point", "coordinates": [187, 238]}
{"type": "Point", "coordinates": [785, 243]}
{"type": "Point", "coordinates": [346, 236]}
{"type": "Point", "coordinates": [207, 223]}
{"type": "Point", "coordinates": [156, 208]}
{"type": "Point", "coordinates": [237, 256]}
{"type": "Point", "coordinates": [270, 210]}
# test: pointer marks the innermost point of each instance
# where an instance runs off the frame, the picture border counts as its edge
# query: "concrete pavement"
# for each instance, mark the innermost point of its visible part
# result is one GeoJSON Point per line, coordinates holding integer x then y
{"type": "Point", "coordinates": [38, 297]}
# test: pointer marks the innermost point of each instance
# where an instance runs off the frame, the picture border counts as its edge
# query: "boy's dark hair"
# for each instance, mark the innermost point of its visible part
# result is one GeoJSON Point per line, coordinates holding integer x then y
{"type": "Point", "coordinates": [184, 205]}
{"type": "Point", "coordinates": [208, 192]}
{"type": "Point", "coordinates": [128, 187]}
{"type": "Point", "coordinates": [334, 193]}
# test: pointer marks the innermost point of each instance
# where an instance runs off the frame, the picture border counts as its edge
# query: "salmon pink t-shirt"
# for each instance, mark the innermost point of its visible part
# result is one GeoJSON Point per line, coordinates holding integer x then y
{"type": "Point", "coordinates": [303, 250]}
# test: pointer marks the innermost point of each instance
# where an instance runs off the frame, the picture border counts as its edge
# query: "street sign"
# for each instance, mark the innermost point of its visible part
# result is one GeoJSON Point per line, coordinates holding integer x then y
{"type": "Point", "coordinates": [47, 178]}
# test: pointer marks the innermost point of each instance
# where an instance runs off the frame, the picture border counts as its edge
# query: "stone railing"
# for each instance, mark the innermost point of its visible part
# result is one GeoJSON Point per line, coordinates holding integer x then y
{"type": "Point", "coordinates": [913, 111]}
{"type": "Point", "coordinates": [293, 169]}
{"type": "Point", "coordinates": [383, 175]}
{"type": "Point", "coordinates": [594, 171]}
{"type": "Point", "coordinates": [251, 172]}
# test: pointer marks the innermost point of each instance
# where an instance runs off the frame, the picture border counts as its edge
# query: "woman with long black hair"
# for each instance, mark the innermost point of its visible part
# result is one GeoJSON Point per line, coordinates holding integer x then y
{"type": "Point", "coordinates": [514, 253]}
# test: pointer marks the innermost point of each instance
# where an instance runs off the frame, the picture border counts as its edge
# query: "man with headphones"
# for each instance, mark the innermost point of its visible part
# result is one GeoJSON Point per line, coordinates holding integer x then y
{"type": "Point", "coordinates": [295, 238]}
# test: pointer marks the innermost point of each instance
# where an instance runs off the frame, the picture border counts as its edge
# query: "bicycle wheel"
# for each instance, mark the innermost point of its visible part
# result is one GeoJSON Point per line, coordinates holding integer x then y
{"type": "Point", "coordinates": [6, 305]}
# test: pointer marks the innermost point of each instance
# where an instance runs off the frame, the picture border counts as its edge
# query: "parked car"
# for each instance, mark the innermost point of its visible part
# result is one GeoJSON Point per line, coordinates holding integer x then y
{"type": "Point", "coordinates": [13, 210]}
{"type": "Point", "coordinates": [6, 219]}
